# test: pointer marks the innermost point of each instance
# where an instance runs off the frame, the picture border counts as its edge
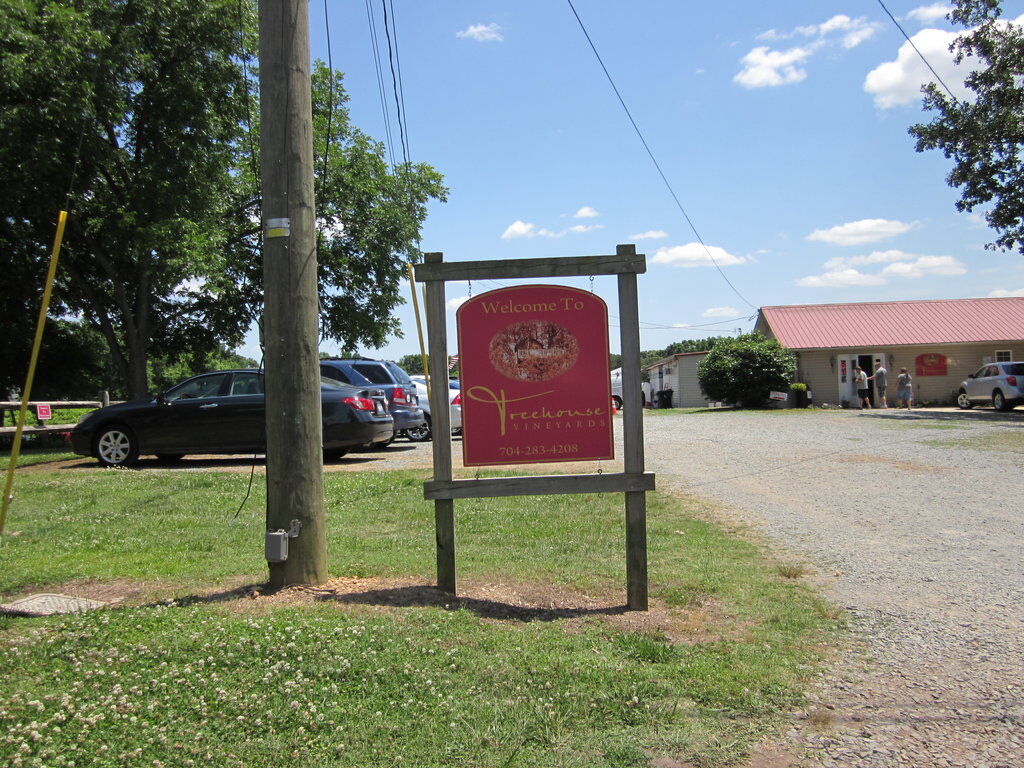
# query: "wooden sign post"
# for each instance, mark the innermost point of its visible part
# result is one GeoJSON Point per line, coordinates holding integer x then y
{"type": "Point", "coordinates": [634, 482]}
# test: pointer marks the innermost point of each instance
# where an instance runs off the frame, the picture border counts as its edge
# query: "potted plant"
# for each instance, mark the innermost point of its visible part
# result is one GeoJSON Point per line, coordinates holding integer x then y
{"type": "Point", "coordinates": [799, 390]}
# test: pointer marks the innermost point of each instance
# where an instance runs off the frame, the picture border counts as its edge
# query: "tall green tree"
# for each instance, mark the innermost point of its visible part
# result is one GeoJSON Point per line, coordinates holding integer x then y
{"type": "Point", "coordinates": [148, 95]}
{"type": "Point", "coordinates": [984, 134]}
{"type": "Point", "coordinates": [162, 253]}
{"type": "Point", "coordinates": [369, 217]}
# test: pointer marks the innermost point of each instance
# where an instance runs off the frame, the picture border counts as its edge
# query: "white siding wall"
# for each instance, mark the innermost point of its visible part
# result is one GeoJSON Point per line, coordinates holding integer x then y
{"type": "Point", "coordinates": [688, 393]}
{"type": "Point", "coordinates": [817, 371]}
{"type": "Point", "coordinates": [680, 375]}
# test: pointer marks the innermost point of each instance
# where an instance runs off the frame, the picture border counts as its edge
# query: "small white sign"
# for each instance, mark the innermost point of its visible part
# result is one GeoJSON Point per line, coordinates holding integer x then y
{"type": "Point", "coordinates": [779, 396]}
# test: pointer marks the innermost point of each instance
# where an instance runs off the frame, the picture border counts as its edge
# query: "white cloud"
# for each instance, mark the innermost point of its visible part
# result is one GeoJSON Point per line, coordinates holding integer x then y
{"type": "Point", "coordinates": [680, 325]}
{"type": "Point", "coordinates": [650, 234]}
{"type": "Point", "coordinates": [925, 265]}
{"type": "Point", "coordinates": [586, 212]}
{"type": "Point", "coordinates": [875, 257]}
{"type": "Point", "coordinates": [579, 229]}
{"type": "Point", "coordinates": [898, 82]}
{"type": "Point", "coordinates": [457, 302]}
{"type": "Point", "coordinates": [860, 232]}
{"type": "Point", "coordinates": [929, 13]}
{"type": "Point", "coordinates": [519, 229]}
{"type": "Point", "coordinates": [765, 68]}
{"type": "Point", "coordinates": [695, 255]}
{"type": "Point", "coordinates": [482, 33]}
{"type": "Point", "coordinates": [841, 278]}
{"type": "Point", "coordinates": [720, 312]}
{"type": "Point", "coordinates": [850, 32]}
{"type": "Point", "coordinates": [1002, 293]}
{"type": "Point", "coordinates": [842, 272]}
{"type": "Point", "coordinates": [526, 229]}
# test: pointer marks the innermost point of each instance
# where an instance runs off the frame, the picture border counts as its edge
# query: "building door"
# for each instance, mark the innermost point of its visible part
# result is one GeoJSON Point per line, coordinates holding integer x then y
{"type": "Point", "coordinates": [866, 362]}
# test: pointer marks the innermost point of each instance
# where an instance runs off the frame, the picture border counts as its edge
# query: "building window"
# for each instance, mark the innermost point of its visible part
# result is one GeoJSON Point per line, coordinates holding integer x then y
{"type": "Point", "coordinates": [1004, 355]}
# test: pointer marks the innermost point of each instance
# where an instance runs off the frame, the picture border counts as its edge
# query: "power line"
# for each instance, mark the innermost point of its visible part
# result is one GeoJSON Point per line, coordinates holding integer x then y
{"type": "Point", "coordinates": [330, 92]}
{"type": "Point", "coordinates": [395, 84]}
{"type": "Point", "coordinates": [654, 160]}
{"type": "Point", "coordinates": [917, 50]}
{"type": "Point", "coordinates": [372, 23]}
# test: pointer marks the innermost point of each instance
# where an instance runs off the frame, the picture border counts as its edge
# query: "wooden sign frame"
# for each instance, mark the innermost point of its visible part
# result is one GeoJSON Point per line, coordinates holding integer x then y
{"type": "Point", "coordinates": [634, 482]}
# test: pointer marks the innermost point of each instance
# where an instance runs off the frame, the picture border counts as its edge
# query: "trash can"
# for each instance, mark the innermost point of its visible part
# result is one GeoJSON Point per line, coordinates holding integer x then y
{"type": "Point", "coordinates": [664, 398]}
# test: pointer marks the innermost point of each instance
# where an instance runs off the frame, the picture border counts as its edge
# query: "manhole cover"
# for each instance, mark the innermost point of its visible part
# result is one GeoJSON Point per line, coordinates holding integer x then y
{"type": "Point", "coordinates": [48, 604]}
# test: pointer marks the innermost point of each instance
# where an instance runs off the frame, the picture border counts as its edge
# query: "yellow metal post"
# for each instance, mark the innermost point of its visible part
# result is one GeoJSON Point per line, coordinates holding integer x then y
{"type": "Point", "coordinates": [27, 391]}
{"type": "Point", "coordinates": [419, 326]}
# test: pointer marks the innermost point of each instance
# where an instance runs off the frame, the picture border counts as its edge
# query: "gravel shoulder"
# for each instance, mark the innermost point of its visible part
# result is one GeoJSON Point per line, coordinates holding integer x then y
{"type": "Point", "coordinates": [915, 523]}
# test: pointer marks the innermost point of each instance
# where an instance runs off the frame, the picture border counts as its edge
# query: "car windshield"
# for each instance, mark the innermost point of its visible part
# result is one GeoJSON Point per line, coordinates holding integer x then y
{"type": "Point", "coordinates": [398, 373]}
{"type": "Point", "coordinates": [1014, 369]}
{"type": "Point", "coordinates": [327, 383]}
{"type": "Point", "coordinates": [454, 384]}
{"type": "Point", "coordinates": [202, 386]}
{"type": "Point", "coordinates": [373, 372]}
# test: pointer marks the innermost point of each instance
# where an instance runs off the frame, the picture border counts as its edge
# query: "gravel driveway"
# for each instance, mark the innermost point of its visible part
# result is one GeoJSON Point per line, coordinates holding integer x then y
{"type": "Point", "coordinates": [916, 522]}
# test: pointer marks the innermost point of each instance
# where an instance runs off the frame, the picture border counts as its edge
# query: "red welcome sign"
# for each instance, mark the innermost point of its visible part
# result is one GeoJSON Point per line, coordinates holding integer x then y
{"type": "Point", "coordinates": [536, 385]}
{"type": "Point", "coordinates": [932, 364]}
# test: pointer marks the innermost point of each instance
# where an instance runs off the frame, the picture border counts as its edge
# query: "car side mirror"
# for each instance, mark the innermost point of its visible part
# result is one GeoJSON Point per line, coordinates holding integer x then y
{"type": "Point", "coordinates": [970, 375]}
{"type": "Point", "coordinates": [161, 399]}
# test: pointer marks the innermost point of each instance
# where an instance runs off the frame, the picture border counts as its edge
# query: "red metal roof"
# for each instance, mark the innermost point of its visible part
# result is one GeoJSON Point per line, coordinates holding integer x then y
{"type": "Point", "coordinates": [890, 323]}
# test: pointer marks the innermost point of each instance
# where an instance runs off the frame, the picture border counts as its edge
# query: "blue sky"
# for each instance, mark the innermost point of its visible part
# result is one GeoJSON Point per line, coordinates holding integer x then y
{"type": "Point", "coordinates": [782, 127]}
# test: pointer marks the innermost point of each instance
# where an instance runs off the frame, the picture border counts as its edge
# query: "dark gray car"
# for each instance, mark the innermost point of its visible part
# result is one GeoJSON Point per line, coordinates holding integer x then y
{"type": "Point", "coordinates": [222, 412]}
{"type": "Point", "coordinates": [403, 401]}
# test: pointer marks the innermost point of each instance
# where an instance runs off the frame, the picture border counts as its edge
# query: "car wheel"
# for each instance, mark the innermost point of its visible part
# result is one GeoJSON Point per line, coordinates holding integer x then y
{"type": "Point", "coordinates": [385, 444]}
{"type": "Point", "coordinates": [116, 446]}
{"type": "Point", "coordinates": [169, 458]}
{"type": "Point", "coordinates": [963, 402]}
{"type": "Point", "coordinates": [333, 454]}
{"type": "Point", "coordinates": [419, 434]}
{"type": "Point", "coordinates": [999, 402]}
{"type": "Point", "coordinates": [617, 402]}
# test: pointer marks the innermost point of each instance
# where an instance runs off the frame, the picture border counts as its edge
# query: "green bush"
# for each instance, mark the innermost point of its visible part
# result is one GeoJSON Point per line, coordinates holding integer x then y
{"type": "Point", "coordinates": [798, 386]}
{"type": "Point", "coordinates": [746, 369]}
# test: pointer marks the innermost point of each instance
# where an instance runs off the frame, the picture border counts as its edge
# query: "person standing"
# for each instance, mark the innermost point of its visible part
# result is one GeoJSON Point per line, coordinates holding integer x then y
{"type": "Point", "coordinates": [879, 379]}
{"type": "Point", "coordinates": [861, 380]}
{"type": "Point", "coordinates": [904, 389]}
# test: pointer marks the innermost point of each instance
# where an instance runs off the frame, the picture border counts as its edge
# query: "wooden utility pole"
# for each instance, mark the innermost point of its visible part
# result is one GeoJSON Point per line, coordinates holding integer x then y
{"type": "Point", "coordinates": [294, 427]}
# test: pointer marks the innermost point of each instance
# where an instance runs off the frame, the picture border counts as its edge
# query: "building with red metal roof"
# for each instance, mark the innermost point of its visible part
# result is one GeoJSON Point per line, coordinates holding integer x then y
{"type": "Point", "coordinates": [939, 342]}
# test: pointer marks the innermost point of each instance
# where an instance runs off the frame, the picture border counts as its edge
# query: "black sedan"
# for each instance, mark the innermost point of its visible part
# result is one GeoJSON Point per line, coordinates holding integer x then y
{"type": "Point", "coordinates": [222, 412]}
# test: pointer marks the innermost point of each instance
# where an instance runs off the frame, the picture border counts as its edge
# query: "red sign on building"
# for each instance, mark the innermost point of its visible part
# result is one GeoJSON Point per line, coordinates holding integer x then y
{"type": "Point", "coordinates": [931, 364]}
{"type": "Point", "coordinates": [536, 385]}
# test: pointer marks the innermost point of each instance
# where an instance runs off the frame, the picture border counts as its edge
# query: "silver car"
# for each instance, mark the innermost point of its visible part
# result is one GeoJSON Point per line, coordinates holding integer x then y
{"type": "Point", "coordinates": [1001, 384]}
{"type": "Point", "coordinates": [422, 434]}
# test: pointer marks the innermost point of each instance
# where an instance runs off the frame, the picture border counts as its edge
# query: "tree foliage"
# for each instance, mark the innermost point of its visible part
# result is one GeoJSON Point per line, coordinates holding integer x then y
{"type": "Point", "coordinates": [649, 356]}
{"type": "Point", "coordinates": [411, 364]}
{"type": "Point", "coordinates": [148, 94]}
{"type": "Point", "coordinates": [984, 135]}
{"type": "Point", "coordinates": [745, 369]}
{"type": "Point", "coordinates": [162, 252]}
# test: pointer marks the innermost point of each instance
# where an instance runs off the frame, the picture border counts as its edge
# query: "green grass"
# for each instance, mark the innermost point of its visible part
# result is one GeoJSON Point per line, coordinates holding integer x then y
{"type": "Point", "coordinates": [351, 685]}
{"type": "Point", "coordinates": [1003, 442]}
{"type": "Point", "coordinates": [29, 456]}
{"type": "Point", "coordinates": [682, 411]}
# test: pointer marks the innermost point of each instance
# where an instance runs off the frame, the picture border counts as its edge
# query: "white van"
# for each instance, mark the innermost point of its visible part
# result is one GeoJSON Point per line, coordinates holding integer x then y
{"type": "Point", "coordinates": [645, 390]}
